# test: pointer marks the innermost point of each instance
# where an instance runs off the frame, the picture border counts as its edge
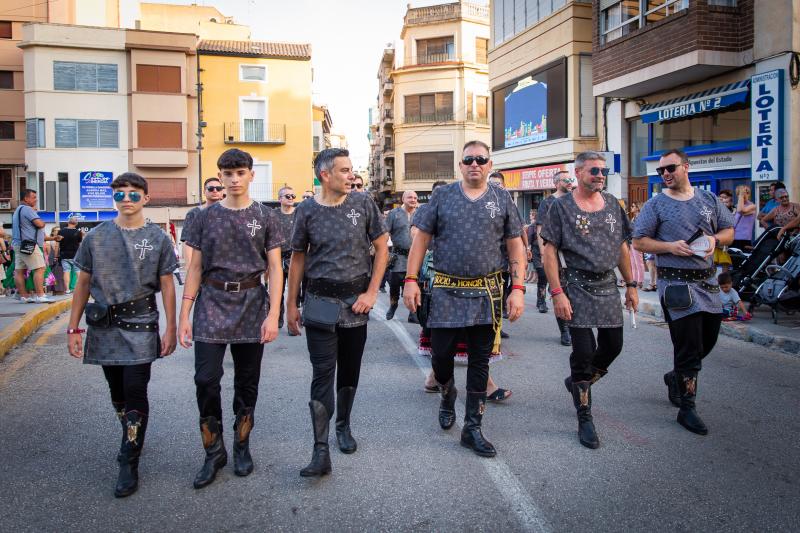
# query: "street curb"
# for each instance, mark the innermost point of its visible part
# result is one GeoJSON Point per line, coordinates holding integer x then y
{"type": "Point", "coordinates": [739, 330]}
{"type": "Point", "coordinates": [27, 324]}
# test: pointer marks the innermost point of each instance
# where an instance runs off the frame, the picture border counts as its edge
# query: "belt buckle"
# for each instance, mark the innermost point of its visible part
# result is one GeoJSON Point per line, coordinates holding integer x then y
{"type": "Point", "coordinates": [236, 284]}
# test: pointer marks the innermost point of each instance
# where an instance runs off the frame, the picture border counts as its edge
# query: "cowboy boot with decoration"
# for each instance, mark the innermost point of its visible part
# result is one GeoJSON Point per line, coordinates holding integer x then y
{"type": "Point", "coordinates": [119, 410]}
{"type": "Point", "coordinates": [582, 399]}
{"type": "Point", "coordinates": [129, 453]}
{"type": "Point", "coordinates": [541, 301]}
{"type": "Point", "coordinates": [687, 416]}
{"type": "Point", "coordinates": [597, 373]}
{"type": "Point", "coordinates": [344, 406]}
{"type": "Point", "coordinates": [447, 407]}
{"type": "Point", "coordinates": [242, 461]}
{"type": "Point", "coordinates": [673, 391]}
{"type": "Point", "coordinates": [320, 464]}
{"type": "Point", "coordinates": [471, 435]}
{"type": "Point", "coordinates": [216, 455]}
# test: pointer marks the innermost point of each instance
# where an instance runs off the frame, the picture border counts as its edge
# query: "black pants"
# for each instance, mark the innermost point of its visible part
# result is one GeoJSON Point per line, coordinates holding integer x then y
{"type": "Point", "coordinates": [283, 293]}
{"type": "Point", "coordinates": [693, 338]}
{"type": "Point", "coordinates": [541, 282]}
{"type": "Point", "coordinates": [588, 352]}
{"type": "Point", "coordinates": [334, 353]}
{"type": "Point", "coordinates": [128, 385]}
{"type": "Point", "coordinates": [480, 340]}
{"type": "Point", "coordinates": [208, 374]}
{"type": "Point", "coordinates": [395, 285]}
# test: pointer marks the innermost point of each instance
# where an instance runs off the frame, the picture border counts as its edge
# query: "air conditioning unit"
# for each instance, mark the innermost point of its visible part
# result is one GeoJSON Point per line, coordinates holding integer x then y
{"type": "Point", "coordinates": [5, 204]}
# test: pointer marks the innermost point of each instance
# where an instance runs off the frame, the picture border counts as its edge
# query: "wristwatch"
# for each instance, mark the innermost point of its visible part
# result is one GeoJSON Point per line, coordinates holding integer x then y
{"type": "Point", "coordinates": [631, 284]}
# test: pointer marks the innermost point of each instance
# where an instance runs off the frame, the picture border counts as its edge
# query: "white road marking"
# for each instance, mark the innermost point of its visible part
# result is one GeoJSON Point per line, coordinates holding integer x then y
{"type": "Point", "coordinates": [528, 513]}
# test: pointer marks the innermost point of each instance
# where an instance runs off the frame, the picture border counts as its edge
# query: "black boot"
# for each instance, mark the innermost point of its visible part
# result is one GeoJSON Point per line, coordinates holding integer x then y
{"type": "Point", "coordinates": [447, 407]}
{"type": "Point", "coordinates": [412, 318]}
{"type": "Point", "coordinates": [566, 338]}
{"type": "Point", "coordinates": [392, 309]}
{"type": "Point", "coordinates": [242, 461]}
{"type": "Point", "coordinates": [582, 399]}
{"type": "Point", "coordinates": [687, 416]}
{"type": "Point", "coordinates": [597, 373]}
{"type": "Point", "coordinates": [216, 455]}
{"type": "Point", "coordinates": [344, 405]}
{"type": "Point", "coordinates": [471, 435]}
{"type": "Point", "coordinates": [321, 459]}
{"type": "Point", "coordinates": [131, 449]}
{"type": "Point", "coordinates": [541, 302]}
{"type": "Point", "coordinates": [673, 392]}
{"type": "Point", "coordinates": [119, 410]}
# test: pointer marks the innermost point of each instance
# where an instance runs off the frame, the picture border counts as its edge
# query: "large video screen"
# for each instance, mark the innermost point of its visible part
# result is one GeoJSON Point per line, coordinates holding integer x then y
{"type": "Point", "coordinates": [531, 108]}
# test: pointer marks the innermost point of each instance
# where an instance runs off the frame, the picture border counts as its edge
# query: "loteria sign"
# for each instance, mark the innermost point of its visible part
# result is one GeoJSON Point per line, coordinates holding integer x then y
{"type": "Point", "coordinates": [766, 122]}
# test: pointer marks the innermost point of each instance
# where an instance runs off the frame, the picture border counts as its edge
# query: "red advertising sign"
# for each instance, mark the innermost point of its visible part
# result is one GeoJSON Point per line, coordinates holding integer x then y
{"type": "Point", "coordinates": [533, 178]}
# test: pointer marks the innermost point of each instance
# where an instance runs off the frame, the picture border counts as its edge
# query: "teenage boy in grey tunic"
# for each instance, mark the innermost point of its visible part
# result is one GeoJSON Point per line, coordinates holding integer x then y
{"type": "Point", "coordinates": [123, 263]}
{"type": "Point", "coordinates": [589, 230]}
{"type": "Point", "coordinates": [398, 222]}
{"type": "Point", "coordinates": [285, 212]}
{"type": "Point", "coordinates": [234, 242]}
{"type": "Point", "coordinates": [469, 221]}
{"type": "Point", "coordinates": [663, 227]}
{"type": "Point", "coordinates": [330, 247]}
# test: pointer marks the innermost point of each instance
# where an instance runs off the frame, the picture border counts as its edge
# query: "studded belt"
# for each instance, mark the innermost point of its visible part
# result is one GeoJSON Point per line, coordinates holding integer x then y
{"type": "Point", "coordinates": [117, 313]}
{"type": "Point", "coordinates": [595, 283]}
{"type": "Point", "coordinates": [689, 275]}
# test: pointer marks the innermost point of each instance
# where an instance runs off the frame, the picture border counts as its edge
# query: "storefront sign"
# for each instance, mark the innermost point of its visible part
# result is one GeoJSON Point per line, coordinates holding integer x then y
{"type": "Point", "coordinates": [767, 125]}
{"type": "Point", "coordinates": [709, 162]}
{"type": "Point", "coordinates": [697, 103]}
{"type": "Point", "coordinates": [95, 190]}
{"type": "Point", "coordinates": [534, 178]}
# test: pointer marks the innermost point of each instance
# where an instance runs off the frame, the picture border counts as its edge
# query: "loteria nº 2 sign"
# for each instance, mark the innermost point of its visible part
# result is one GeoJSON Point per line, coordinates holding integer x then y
{"type": "Point", "coordinates": [766, 125]}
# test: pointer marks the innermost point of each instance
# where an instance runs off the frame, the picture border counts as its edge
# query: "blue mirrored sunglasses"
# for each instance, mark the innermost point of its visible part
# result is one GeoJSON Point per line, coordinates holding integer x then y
{"type": "Point", "coordinates": [133, 196]}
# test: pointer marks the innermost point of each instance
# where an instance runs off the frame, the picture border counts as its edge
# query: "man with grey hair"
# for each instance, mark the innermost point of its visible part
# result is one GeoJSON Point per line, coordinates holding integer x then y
{"type": "Point", "coordinates": [398, 222]}
{"type": "Point", "coordinates": [331, 249]}
{"type": "Point", "coordinates": [71, 240]}
{"type": "Point", "coordinates": [286, 197]}
{"type": "Point", "coordinates": [586, 236]}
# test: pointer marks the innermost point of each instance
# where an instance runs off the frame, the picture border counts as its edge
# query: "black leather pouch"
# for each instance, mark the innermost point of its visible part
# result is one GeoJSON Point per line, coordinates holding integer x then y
{"type": "Point", "coordinates": [677, 297]}
{"type": "Point", "coordinates": [321, 312]}
{"type": "Point", "coordinates": [97, 315]}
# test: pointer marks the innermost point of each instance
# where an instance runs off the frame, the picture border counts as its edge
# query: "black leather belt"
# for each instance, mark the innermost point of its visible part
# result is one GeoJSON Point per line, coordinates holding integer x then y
{"type": "Point", "coordinates": [117, 313]}
{"type": "Point", "coordinates": [689, 275]}
{"type": "Point", "coordinates": [232, 286]}
{"type": "Point", "coordinates": [576, 275]}
{"type": "Point", "coordinates": [330, 288]}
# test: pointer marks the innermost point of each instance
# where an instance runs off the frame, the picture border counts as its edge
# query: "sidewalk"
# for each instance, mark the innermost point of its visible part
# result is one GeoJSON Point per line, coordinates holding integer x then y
{"type": "Point", "coordinates": [18, 321]}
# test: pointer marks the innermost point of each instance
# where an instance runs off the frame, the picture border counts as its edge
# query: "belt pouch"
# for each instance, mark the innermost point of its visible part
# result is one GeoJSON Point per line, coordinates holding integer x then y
{"type": "Point", "coordinates": [677, 297]}
{"type": "Point", "coordinates": [97, 315]}
{"type": "Point", "coordinates": [320, 312]}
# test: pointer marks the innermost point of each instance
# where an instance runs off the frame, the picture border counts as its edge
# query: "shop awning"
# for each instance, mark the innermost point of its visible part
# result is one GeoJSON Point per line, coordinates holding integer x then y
{"type": "Point", "coordinates": [694, 104]}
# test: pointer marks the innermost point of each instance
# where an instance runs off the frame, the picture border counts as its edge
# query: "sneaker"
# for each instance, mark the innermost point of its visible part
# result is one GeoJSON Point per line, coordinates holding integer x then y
{"type": "Point", "coordinates": [68, 292]}
{"type": "Point", "coordinates": [42, 300]}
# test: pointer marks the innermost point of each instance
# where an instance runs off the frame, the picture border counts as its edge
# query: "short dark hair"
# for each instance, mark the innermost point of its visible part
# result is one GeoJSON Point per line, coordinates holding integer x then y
{"type": "Point", "coordinates": [680, 153]}
{"type": "Point", "coordinates": [235, 158]}
{"type": "Point", "coordinates": [130, 179]}
{"type": "Point", "coordinates": [497, 174]}
{"type": "Point", "coordinates": [437, 184]}
{"type": "Point", "coordinates": [209, 180]}
{"type": "Point", "coordinates": [776, 185]}
{"type": "Point", "coordinates": [724, 278]}
{"type": "Point", "coordinates": [726, 191]}
{"type": "Point", "coordinates": [324, 160]}
{"type": "Point", "coordinates": [477, 143]}
{"type": "Point", "coordinates": [25, 193]}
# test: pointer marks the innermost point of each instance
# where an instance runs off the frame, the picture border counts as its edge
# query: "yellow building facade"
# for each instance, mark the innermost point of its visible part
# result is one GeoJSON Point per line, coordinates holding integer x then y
{"type": "Point", "coordinates": [256, 96]}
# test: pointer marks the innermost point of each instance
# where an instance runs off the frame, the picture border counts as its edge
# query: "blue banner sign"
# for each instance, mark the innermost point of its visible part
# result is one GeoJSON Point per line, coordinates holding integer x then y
{"type": "Point", "coordinates": [95, 189]}
{"type": "Point", "coordinates": [696, 104]}
{"type": "Point", "coordinates": [766, 126]}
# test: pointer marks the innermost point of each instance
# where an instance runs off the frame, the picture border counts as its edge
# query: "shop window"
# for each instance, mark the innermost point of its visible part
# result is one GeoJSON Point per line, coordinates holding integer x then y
{"type": "Point", "coordinates": [158, 79]}
{"type": "Point", "coordinates": [6, 130]}
{"type": "Point", "coordinates": [429, 166]}
{"type": "Point", "coordinates": [719, 127]}
{"type": "Point", "coordinates": [34, 133]}
{"type": "Point", "coordinates": [638, 148]}
{"type": "Point", "coordinates": [5, 29]}
{"type": "Point", "coordinates": [620, 17]}
{"type": "Point", "coordinates": [87, 77]}
{"type": "Point", "coordinates": [6, 79]}
{"type": "Point", "coordinates": [160, 134]}
{"type": "Point", "coordinates": [433, 107]}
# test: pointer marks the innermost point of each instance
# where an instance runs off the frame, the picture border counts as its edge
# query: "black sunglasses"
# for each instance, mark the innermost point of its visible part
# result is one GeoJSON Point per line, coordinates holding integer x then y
{"type": "Point", "coordinates": [481, 160]}
{"type": "Point", "coordinates": [668, 168]}
{"type": "Point", "coordinates": [289, 196]}
{"type": "Point", "coordinates": [217, 188]}
{"type": "Point", "coordinates": [357, 186]}
{"type": "Point", "coordinates": [594, 171]}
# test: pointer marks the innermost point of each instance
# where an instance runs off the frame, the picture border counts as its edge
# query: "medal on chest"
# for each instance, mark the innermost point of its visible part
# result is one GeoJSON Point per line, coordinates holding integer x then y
{"type": "Point", "coordinates": [582, 224]}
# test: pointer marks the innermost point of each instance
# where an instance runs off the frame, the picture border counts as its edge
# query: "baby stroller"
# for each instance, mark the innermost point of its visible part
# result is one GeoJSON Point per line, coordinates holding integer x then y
{"type": "Point", "coordinates": [748, 270]}
{"type": "Point", "coordinates": [781, 291]}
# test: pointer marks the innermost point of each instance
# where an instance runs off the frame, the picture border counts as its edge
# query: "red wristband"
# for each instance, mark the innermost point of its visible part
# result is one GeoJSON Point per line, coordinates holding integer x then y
{"type": "Point", "coordinates": [556, 291]}
{"type": "Point", "coordinates": [192, 298]}
{"type": "Point", "coordinates": [410, 280]}
{"type": "Point", "coordinates": [70, 331]}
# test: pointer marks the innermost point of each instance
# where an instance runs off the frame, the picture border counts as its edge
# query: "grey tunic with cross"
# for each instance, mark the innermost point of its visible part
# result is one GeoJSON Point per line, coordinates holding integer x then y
{"type": "Point", "coordinates": [468, 235]}
{"type": "Point", "coordinates": [590, 242]}
{"type": "Point", "coordinates": [234, 245]}
{"type": "Point", "coordinates": [124, 264]}
{"type": "Point", "coordinates": [666, 219]}
{"type": "Point", "coordinates": [399, 225]}
{"type": "Point", "coordinates": [336, 241]}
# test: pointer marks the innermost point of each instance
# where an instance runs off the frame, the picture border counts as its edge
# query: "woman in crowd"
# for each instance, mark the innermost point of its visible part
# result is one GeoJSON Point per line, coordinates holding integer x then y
{"type": "Point", "coordinates": [744, 220]}
{"type": "Point", "coordinates": [785, 212]}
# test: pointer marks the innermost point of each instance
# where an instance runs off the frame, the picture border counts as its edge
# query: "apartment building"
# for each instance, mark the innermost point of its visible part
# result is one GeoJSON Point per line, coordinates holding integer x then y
{"type": "Point", "coordinates": [540, 77]}
{"type": "Point", "coordinates": [712, 77]}
{"type": "Point", "coordinates": [382, 128]}
{"type": "Point", "coordinates": [439, 95]}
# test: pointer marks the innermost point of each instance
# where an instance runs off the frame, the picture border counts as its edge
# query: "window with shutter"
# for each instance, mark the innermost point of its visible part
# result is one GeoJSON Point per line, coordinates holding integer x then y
{"type": "Point", "coordinates": [444, 164]}
{"type": "Point", "coordinates": [427, 107]}
{"type": "Point", "coordinates": [86, 77]}
{"type": "Point", "coordinates": [6, 183]}
{"type": "Point", "coordinates": [6, 130]}
{"type": "Point", "coordinates": [412, 108]}
{"type": "Point", "coordinates": [89, 77]}
{"type": "Point", "coordinates": [159, 134]}
{"type": "Point", "coordinates": [34, 133]}
{"type": "Point", "coordinates": [63, 76]}
{"type": "Point", "coordinates": [107, 78]}
{"type": "Point", "coordinates": [87, 134]}
{"type": "Point", "coordinates": [444, 106]}
{"type": "Point", "coordinates": [481, 51]}
{"type": "Point", "coordinates": [66, 133]}
{"type": "Point", "coordinates": [482, 105]}
{"type": "Point", "coordinates": [158, 79]}
{"type": "Point", "coordinates": [412, 163]}
{"type": "Point", "coordinates": [587, 100]}
{"type": "Point", "coordinates": [147, 78]}
{"type": "Point", "coordinates": [6, 79]}
{"type": "Point", "coordinates": [5, 29]}
{"type": "Point", "coordinates": [108, 133]}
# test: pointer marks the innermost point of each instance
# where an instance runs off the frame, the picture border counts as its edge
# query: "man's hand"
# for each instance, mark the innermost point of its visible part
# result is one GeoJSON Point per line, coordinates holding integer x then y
{"type": "Point", "coordinates": [681, 248]}
{"type": "Point", "coordinates": [293, 319]}
{"type": "Point", "coordinates": [781, 232]}
{"type": "Point", "coordinates": [529, 255]}
{"type": "Point", "coordinates": [632, 299]}
{"type": "Point", "coordinates": [185, 333]}
{"type": "Point", "coordinates": [412, 297]}
{"type": "Point", "coordinates": [169, 342]}
{"type": "Point", "coordinates": [75, 345]}
{"type": "Point", "coordinates": [365, 302]}
{"type": "Point", "coordinates": [712, 243]}
{"type": "Point", "coordinates": [562, 307]}
{"type": "Point", "coordinates": [516, 304]}
{"type": "Point", "coordinates": [269, 328]}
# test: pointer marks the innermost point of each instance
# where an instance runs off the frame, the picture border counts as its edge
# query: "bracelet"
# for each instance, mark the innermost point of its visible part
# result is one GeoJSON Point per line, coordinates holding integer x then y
{"type": "Point", "coordinates": [520, 288]}
{"type": "Point", "coordinates": [631, 284]}
{"type": "Point", "coordinates": [556, 291]}
{"type": "Point", "coordinates": [70, 331]}
{"type": "Point", "coordinates": [191, 298]}
{"type": "Point", "coordinates": [412, 276]}
{"type": "Point", "coordinates": [411, 280]}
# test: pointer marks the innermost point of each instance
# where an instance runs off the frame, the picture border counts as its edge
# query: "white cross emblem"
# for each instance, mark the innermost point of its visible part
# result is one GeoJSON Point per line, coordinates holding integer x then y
{"type": "Point", "coordinates": [254, 225]}
{"type": "Point", "coordinates": [143, 246]}
{"type": "Point", "coordinates": [353, 216]}
{"type": "Point", "coordinates": [706, 212]}
{"type": "Point", "coordinates": [610, 220]}
{"type": "Point", "coordinates": [493, 209]}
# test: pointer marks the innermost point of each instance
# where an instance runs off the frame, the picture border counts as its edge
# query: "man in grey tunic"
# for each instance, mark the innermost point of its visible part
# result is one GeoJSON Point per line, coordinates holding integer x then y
{"type": "Point", "coordinates": [564, 185]}
{"type": "Point", "coordinates": [469, 221]}
{"type": "Point", "coordinates": [214, 192]}
{"type": "Point", "coordinates": [589, 230]}
{"type": "Point", "coordinates": [687, 284]}
{"type": "Point", "coordinates": [286, 197]}
{"type": "Point", "coordinates": [398, 222]}
{"type": "Point", "coordinates": [123, 263]}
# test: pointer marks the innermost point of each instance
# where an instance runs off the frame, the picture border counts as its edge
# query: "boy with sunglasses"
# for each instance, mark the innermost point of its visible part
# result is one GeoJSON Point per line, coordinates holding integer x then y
{"type": "Point", "coordinates": [235, 240]}
{"type": "Point", "coordinates": [123, 328]}
{"type": "Point", "coordinates": [214, 192]}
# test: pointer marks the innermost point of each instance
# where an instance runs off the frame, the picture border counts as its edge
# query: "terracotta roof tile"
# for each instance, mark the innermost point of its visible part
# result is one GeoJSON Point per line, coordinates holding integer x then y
{"type": "Point", "coordinates": [256, 49]}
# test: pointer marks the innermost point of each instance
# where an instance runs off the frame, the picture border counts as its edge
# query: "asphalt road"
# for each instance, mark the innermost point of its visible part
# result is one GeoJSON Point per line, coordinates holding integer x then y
{"type": "Point", "coordinates": [59, 437]}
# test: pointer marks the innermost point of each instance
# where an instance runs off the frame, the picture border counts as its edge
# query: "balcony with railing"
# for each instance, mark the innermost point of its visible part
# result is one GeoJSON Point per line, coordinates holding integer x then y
{"type": "Point", "coordinates": [433, 59]}
{"type": "Point", "coordinates": [428, 176]}
{"type": "Point", "coordinates": [437, 117]}
{"type": "Point", "coordinates": [254, 131]}
{"type": "Point", "coordinates": [444, 12]}
{"type": "Point", "coordinates": [479, 119]}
